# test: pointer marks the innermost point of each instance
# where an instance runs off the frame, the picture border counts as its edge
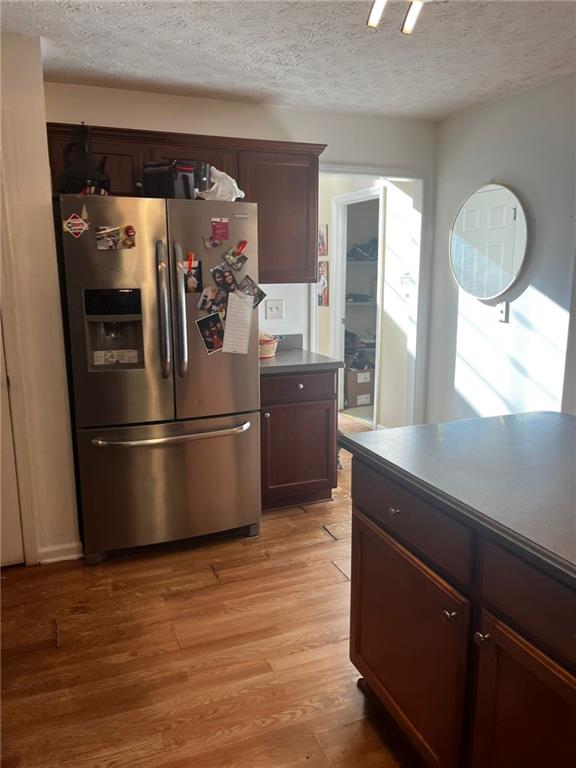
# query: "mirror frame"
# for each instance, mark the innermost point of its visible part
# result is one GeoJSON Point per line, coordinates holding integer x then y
{"type": "Point", "coordinates": [524, 255]}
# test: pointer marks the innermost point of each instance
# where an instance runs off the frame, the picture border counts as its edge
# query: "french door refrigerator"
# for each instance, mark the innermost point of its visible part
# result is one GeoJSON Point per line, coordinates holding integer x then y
{"type": "Point", "coordinates": [166, 434]}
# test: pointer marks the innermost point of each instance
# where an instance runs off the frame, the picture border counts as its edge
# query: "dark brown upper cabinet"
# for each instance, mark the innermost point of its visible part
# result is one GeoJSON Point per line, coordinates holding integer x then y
{"type": "Point", "coordinates": [285, 186]}
{"type": "Point", "coordinates": [281, 176]}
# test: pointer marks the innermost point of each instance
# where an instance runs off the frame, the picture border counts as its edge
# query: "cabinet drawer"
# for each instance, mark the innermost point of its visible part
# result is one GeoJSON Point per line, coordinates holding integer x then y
{"type": "Point", "coordinates": [296, 388]}
{"type": "Point", "coordinates": [419, 524]}
{"type": "Point", "coordinates": [535, 601]}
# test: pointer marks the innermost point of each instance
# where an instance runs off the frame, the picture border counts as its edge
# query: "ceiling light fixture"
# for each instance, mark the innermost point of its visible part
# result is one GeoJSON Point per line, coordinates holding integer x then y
{"type": "Point", "coordinates": [376, 13]}
{"type": "Point", "coordinates": [411, 17]}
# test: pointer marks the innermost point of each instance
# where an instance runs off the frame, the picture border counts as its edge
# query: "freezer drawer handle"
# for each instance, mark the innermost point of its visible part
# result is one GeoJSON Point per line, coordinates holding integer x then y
{"type": "Point", "coordinates": [164, 303]}
{"type": "Point", "coordinates": [180, 310]}
{"type": "Point", "coordinates": [171, 440]}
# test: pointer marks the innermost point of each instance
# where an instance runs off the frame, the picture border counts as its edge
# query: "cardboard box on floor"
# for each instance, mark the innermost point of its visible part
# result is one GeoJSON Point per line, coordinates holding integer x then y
{"type": "Point", "coordinates": [359, 388]}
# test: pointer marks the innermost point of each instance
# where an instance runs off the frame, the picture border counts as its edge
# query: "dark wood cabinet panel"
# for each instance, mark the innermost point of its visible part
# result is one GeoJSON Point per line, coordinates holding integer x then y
{"type": "Point", "coordinates": [409, 640]}
{"type": "Point", "coordinates": [282, 177]}
{"type": "Point", "coordinates": [298, 448]}
{"type": "Point", "coordinates": [525, 704]}
{"type": "Point", "coordinates": [285, 186]}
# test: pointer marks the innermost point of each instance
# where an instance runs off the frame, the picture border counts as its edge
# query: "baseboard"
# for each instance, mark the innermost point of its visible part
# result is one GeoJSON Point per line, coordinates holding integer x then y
{"type": "Point", "coordinates": [71, 551]}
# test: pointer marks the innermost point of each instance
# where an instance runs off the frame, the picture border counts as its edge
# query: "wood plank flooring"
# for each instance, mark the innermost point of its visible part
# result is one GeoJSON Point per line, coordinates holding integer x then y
{"type": "Point", "coordinates": [228, 654]}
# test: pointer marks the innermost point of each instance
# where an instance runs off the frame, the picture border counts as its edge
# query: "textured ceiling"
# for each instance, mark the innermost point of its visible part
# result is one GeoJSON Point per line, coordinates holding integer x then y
{"type": "Point", "coordinates": [306, 54]}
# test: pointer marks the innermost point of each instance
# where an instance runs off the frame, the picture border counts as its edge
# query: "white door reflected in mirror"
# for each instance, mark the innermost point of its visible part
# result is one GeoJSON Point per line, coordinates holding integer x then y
{"type": "Point", "coordinates": [488, 242]}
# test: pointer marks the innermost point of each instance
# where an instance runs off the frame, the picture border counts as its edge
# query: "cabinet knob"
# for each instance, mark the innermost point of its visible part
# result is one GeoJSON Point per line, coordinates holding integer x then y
{"type": "Point", "coordinates": [266, 415]}
{"type": "Point", "coordinates": [300, 386]}
{"type": "Point", "coordinates": [449, 615]}
{"type": "Point", "coordinates": [138, 185]}
{"type": "Point", "coordinates": [393, 511]}
{"type": "Point", "coordinates": [481, 638]}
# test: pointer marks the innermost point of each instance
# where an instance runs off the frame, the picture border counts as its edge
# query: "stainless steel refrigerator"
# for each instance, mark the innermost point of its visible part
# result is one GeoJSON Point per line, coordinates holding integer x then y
{"type": "Point", "coordinates": [166, 434]}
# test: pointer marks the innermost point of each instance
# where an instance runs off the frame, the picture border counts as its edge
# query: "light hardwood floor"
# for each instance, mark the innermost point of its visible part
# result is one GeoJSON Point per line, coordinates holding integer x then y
{"type": "Point", "coordinates": [229, 654]}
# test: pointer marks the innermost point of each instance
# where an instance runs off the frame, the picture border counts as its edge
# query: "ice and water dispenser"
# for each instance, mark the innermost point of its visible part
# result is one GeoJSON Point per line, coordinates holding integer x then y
{"type": "Point", "coordinates": [113, 328]}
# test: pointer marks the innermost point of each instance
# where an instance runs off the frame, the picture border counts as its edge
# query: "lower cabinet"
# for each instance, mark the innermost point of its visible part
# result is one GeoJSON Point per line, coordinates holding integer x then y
{"type": "Point", "coordinates": [477, 675]}
{"type": "Point", "coordinates": [409, 639]}
{"type": "Point", "coordinates": [525, 713]}
{"type": "Point", "coordinates": [298, 448]}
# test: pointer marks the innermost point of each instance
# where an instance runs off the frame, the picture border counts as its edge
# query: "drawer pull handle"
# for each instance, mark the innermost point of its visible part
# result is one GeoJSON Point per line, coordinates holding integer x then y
{"type": "Point", "coordinates": [393, 511]}
{"type": "Point", "coordinates": [266, 415]}
{"type": "Point", "coordinates": [449, 615]}
{"type": "Point", "coordinates": [480, 638]}
{"type": "Point", "coordinates": [300, 386]}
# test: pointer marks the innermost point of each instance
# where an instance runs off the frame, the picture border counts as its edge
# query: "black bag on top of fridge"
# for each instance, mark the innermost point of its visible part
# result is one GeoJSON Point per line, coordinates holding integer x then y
{"type": "Point", "coordinates": [180, 179]}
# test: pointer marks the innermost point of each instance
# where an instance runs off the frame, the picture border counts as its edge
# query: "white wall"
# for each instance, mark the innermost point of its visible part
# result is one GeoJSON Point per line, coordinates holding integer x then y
{"type": "Point", "coordinates": [351, 139]}
{"type": "Point", "coordinates": [31, 312]}
{"type": "Point", "coordinates": [386, 142]}
{"type": "Point", "coordinates": [296, 310]}
{"type": "Point", "coordinates": [399, 353]}
{"type": "Point", "coordinates": [477, 365]}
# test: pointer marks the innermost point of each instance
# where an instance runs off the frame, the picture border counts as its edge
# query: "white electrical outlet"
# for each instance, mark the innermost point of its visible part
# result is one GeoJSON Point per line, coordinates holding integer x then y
{"type": "Point", "coordinates": [274, 309]}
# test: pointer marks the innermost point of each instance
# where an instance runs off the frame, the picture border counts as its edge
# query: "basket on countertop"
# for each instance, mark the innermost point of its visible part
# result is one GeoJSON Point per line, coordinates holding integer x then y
{"type": "Point", "coordinates": [268, 346]}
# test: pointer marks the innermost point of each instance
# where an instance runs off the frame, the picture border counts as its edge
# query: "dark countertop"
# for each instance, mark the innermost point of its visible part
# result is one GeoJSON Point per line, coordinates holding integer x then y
{"type": "Point", "coordinates": [514, 475]}
{"type": "Point", "coordinates": [297, 361]}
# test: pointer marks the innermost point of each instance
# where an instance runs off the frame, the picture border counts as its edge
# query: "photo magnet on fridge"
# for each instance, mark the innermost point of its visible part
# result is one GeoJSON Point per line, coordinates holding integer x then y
{"type": "Point", "coordinates": [224, 278]}
{"type": "Point", "coordinates": [250, 288]}
{"type": "Point", "coordinates": [211, 331]}
{"type": "Point", "coordinates": [213, 299]}
{"type": "Point", "coordinates": [235, 257]}
{"type": "Point", "coordinates": [192, 273]}
{"type": "Point", "coordinates": [115, 238]}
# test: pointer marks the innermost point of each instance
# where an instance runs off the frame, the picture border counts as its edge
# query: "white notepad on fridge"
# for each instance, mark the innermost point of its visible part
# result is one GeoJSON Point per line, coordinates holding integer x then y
{"type": "Point", "coordinates": [238, 321]}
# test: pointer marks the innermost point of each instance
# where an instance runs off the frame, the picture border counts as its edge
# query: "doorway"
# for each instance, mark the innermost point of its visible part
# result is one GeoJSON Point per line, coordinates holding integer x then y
{"type": "Point", "coordinates": [372, 225]}
{"type": "Point", "coordinates": [360, 305]}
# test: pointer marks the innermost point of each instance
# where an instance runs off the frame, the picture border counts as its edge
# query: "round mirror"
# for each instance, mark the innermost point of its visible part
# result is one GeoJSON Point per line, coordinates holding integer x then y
{"type": "Point", "coordinates": [488, 242]}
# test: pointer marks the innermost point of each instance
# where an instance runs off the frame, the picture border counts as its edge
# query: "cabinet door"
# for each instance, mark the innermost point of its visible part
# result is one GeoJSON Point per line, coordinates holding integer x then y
{"type": "Point", "coordinates": [123, 162]}
{"type": "Point", "coordinates": [525, 704]}
{"type": "Point", "coordinates": [409, 640]}
{"type": "Point", "coordinates": [285, 186]}
{"type": "Point", "coordinates": [298, 453]}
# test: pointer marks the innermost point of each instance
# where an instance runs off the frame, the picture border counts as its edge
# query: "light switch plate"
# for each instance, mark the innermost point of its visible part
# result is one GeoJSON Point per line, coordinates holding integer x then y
{"type": "Point", "coordinates": [274, 309]}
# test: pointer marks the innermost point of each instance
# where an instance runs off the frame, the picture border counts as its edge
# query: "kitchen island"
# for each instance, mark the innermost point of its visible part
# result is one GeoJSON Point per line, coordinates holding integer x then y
{"type": "Point", "coordinates": [298, 393]}
{"type": "Point", "coordinates": [464, 586]}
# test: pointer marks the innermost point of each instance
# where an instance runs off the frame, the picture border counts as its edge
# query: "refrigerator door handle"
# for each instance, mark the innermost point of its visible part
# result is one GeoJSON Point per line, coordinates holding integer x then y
{"type": "Point", "coordinates": [164, 304]}
{"type": "Point", "coordinates": [171, 440]}
{"type": "Point", "coordinates": [180, 310]}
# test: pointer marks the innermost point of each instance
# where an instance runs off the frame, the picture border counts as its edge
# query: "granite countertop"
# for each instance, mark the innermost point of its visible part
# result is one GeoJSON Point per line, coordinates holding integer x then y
{"type": "Point", "coordinates": [514, 475]}
{"type": "Point", "coordinates": [297, 361]}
